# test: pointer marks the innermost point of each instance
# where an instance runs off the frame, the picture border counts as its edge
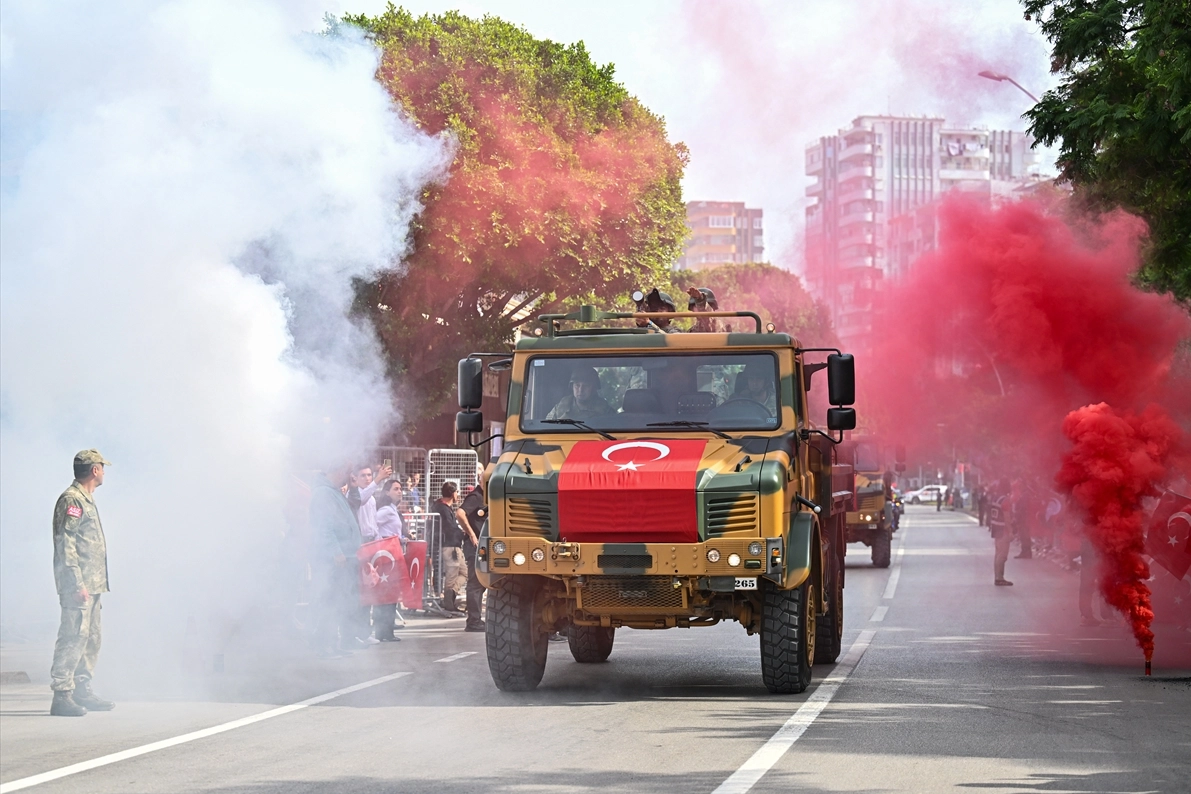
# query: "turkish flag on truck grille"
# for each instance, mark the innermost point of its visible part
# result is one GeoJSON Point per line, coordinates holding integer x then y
{"type": "Point", "coordinates": [640, 491]}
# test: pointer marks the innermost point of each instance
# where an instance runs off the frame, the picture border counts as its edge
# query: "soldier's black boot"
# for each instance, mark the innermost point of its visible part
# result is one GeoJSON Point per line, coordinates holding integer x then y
{"type": "Point", "coordinates": [64, 705]}
{"type": "Point", "coordinates": [89, 700]}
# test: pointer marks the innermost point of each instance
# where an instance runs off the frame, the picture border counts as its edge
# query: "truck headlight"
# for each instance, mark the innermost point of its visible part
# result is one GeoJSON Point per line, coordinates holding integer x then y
{"type": "Point", "coordinates": [498, 547]}
{"type": "Point", "coordinates": [734, 560]}
{"type": "Point", "coordinates": [538, 555]}
{"type": "Point", "coordinates": [713, 555]}
{"type": "Point", "coordinates": [755, 548]}
{"type": "Point", "coordinates": [518, 559]}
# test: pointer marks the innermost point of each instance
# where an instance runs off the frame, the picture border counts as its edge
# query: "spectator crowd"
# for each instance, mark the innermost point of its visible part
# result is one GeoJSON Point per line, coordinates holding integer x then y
{"type": "Point", "coordinates": [350, 506]}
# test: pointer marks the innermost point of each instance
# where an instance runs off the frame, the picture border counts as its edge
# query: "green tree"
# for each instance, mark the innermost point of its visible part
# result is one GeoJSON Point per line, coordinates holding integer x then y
{"type": "Point", "coordinates": [563, 186]}
{"type": "Point", "coordinates": [1122, 115]}
{"type": "Point", "coordinates": [775, 294]}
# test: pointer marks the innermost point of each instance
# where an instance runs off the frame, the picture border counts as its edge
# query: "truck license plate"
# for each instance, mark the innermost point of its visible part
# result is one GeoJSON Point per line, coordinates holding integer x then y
{"type": "Point", "coordinates": [746, 583]}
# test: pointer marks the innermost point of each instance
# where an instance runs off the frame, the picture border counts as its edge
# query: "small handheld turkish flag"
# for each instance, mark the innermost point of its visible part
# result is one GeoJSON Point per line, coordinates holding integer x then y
{"type": "Point", "coordinates": [1169, 538]}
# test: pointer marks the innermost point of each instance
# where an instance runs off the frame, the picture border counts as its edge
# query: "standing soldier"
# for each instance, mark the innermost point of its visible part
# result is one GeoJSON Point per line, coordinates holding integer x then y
{"type": "Point", "coordinates": [81, 574]}
{"type": "Point", "coordinates": [999, 510]}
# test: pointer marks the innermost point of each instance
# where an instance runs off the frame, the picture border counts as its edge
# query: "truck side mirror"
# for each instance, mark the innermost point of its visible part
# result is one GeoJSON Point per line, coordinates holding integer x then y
{"type": "Point", "coordinates": [469, 422]}
{"type": "Point", "coordinates": [899, 467]}
{"type": "Point", "coordinates": [841, 418]}
{"type": "Point", "coordinates": [471, 383]}
{"type": "Point", "coordinates": [841, 381]}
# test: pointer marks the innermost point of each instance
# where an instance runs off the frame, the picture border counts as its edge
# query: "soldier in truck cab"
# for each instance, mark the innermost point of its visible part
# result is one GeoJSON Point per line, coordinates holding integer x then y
{"type": "Point", "coordinates": [756, 383]}
{"type": "Point", "coordinates": [584, 401]}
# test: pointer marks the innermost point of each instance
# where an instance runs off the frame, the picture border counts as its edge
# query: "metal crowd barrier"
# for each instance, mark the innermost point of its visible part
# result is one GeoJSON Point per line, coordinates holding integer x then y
{"type": "Point", "coordinates": [425, 527]}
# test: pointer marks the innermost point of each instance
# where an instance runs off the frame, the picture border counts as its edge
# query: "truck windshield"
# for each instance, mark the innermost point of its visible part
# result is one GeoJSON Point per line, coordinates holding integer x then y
{"type": "Point", "coordinates": [652, 392]}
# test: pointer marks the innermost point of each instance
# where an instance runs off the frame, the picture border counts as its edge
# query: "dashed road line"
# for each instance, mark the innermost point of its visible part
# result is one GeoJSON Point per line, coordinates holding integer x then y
{"type": "Point", "coordinates": [124, 755]}
{"type": "Point", "coordinates": [456, 656]}
{"type": "Point", "coordinates": [895, 574]}
{"type": "Point", "coordinates": [878, 614]}
{"type": "Point", "coordinates": [744, 778]}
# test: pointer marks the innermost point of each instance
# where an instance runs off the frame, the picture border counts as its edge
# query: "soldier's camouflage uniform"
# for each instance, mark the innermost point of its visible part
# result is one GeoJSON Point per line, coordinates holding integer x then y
{"type": "Point", "coordinates": [569, 408]}
{"type": "Point", "coordinates": [80, 561]}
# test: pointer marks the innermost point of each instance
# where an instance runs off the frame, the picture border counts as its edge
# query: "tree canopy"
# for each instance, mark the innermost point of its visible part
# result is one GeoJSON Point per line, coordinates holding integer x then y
{"type": "Point", "coordinates": [1122, 116]}
{"type": "Point", "coordinates": [562, 186]}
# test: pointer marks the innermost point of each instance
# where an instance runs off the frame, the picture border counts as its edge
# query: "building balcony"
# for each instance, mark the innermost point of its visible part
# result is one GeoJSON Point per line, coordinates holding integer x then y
{"type": "Point", "coordinates": [855, 150]}
{"type": "Point", "coordinates": [957, 174]}
{"type": "Point", "coordinates": [853, 195]}
{"type": "Point", "coordinates": [856, 217]}
{"type": "Point", "coordinates": [813, 168]}
{"type": "Point", "coordinates": [815, 190]}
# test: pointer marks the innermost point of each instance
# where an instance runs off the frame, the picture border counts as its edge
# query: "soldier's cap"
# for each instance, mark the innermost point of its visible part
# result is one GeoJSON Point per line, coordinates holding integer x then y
{"type": "Point", "coordinates": [91, 456]}
{"type": "Point", "coordinates": [757, 369]}
{"type": "Point", "coordinates": [586, 375]}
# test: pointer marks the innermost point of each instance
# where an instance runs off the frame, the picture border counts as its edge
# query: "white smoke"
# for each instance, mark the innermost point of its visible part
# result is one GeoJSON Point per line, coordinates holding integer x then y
{"type": "Point", "coordinates": [189, 189]}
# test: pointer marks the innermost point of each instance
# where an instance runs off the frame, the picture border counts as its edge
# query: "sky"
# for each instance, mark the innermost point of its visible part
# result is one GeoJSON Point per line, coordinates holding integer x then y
{"type": "Point", "coordinates": [746, 85]}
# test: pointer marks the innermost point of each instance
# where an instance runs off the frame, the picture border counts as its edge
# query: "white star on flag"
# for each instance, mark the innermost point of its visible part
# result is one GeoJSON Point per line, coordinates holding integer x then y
{"type": "Point", "coordinates": [1173, 541]}
{"type": "Point", "coordinates": [631, 466]}
{"type": "Point", "coordinates": [384, 577]}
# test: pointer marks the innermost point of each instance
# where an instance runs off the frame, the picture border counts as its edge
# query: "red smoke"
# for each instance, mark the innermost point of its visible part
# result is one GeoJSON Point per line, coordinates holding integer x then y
{"type": "Point", "coordinates": [1116, 460]}
{"type": "Point", "coordinates": [1020, 316]}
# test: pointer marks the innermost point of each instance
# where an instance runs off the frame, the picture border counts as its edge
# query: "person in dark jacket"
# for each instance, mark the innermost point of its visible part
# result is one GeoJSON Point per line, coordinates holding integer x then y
{"type": "Point", "coordinates": [476, 511]}
{"type": "Point", "coordinates": [335, 537]}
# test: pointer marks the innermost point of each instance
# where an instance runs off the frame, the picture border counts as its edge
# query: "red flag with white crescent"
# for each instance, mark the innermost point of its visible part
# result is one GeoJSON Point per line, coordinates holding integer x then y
{"type": "Point", "coordinates": [1169, 538]}
{"type": "Point", "coordinates": [415, 557]}
{"type": "Point", "coordinates": [640, 491]}
{"type": "Point", "coordinates": [382, 571]}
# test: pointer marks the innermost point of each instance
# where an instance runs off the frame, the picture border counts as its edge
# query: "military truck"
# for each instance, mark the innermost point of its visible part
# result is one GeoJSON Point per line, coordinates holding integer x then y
{"type": "Point", "coordinates": [873, 520]}
{"type": "Point", "coordinates": [654, 480]}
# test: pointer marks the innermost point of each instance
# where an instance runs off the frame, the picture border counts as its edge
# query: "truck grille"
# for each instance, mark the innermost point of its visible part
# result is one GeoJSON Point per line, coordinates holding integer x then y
{"type": "Point", "coordinates": [529, 517]}
{"type": "Point", "coordinates": [631, 594]}
{"type": "Point", "coordinates": [730, 513]}
{"type": "Point", "coordinates": [871, 504]}
{"type": "Point", "coordinates": [643, 561]}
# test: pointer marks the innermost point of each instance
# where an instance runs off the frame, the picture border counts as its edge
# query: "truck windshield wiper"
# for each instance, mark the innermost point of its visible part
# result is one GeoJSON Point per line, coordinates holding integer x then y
{"type": "Point", "coordinates": [580, 425]}
{"type": "Point", "coordinates": [690, 423]}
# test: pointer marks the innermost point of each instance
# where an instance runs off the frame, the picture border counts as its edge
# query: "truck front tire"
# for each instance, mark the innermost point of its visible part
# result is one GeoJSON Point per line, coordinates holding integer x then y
{"type": "Point", "coordinates": [787, 637]}
{"type": "Point", "coordinates": [515, 636]}
{"type": "Point", "coordinates": [591, 644]}
{"type": "Point", "coordinates": [881, 548]}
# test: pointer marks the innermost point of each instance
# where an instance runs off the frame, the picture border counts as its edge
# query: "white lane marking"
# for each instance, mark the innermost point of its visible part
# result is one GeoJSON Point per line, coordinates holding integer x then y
{"type": "Point", "coordinates": [744, 778]}
{"type": "Point", "coordinates": [124, 755]}
{"type": "Point", "coordinates": [895, 575]}
{"type": "Point", "coordinates": [878, 614]}
{"type": "Point", "coordinates": [463, 655]}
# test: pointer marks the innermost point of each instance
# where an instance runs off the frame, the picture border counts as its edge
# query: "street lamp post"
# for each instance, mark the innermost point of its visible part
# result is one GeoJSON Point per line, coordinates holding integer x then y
{"type": "Point", "coordinates": [1002, 77]}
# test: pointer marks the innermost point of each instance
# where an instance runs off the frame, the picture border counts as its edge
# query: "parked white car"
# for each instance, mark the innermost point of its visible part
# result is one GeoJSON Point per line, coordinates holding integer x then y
{"type": "Point", "coordinates": [928, 494]}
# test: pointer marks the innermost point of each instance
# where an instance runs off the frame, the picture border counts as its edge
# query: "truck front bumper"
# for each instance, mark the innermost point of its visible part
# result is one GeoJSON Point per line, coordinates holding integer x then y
{"type": "Point", "coordinates": [716, 557]}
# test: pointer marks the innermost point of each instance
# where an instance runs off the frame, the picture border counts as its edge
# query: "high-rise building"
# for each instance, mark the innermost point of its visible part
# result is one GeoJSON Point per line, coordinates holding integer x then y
{"type": "Point", "coordinates": [872, 203]}
{"type": "Point", "coordinates": [722, 232]}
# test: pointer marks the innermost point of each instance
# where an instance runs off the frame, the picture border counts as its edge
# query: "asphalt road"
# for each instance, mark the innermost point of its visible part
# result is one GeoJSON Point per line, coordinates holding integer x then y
{"type": "Point", "coordinates": [961, 686]}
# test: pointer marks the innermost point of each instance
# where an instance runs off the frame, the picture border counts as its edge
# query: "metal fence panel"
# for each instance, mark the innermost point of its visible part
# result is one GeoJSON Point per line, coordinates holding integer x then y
{"type": "Point", "coordinates": [412, 465]}
{"type": "Point", "coordinates": [460, 466]}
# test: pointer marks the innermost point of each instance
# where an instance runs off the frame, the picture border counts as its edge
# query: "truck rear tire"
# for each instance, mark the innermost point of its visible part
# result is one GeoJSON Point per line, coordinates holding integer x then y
{"type": "Point", "coordinates": [591, 644]}
{"type": "Point", "coordinates": [515, 635]}
{"type": "Point", "coordinates": [881, 548]}
{"type": "Point", "coordinates": [829, 633]}
{"type": "Point", "coordinates": [787, 637]}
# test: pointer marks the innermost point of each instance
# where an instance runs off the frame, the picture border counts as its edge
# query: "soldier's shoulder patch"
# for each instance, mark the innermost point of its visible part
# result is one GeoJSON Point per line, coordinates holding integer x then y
{"type": "Point", "coordinates": [74, 511]}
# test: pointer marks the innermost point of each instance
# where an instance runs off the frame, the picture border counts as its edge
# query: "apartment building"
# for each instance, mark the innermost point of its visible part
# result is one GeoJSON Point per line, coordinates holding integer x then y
{"type": "Point", "coordinates": [722, 232]}
{"type": "Point", "coordinates": [872, 203]}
